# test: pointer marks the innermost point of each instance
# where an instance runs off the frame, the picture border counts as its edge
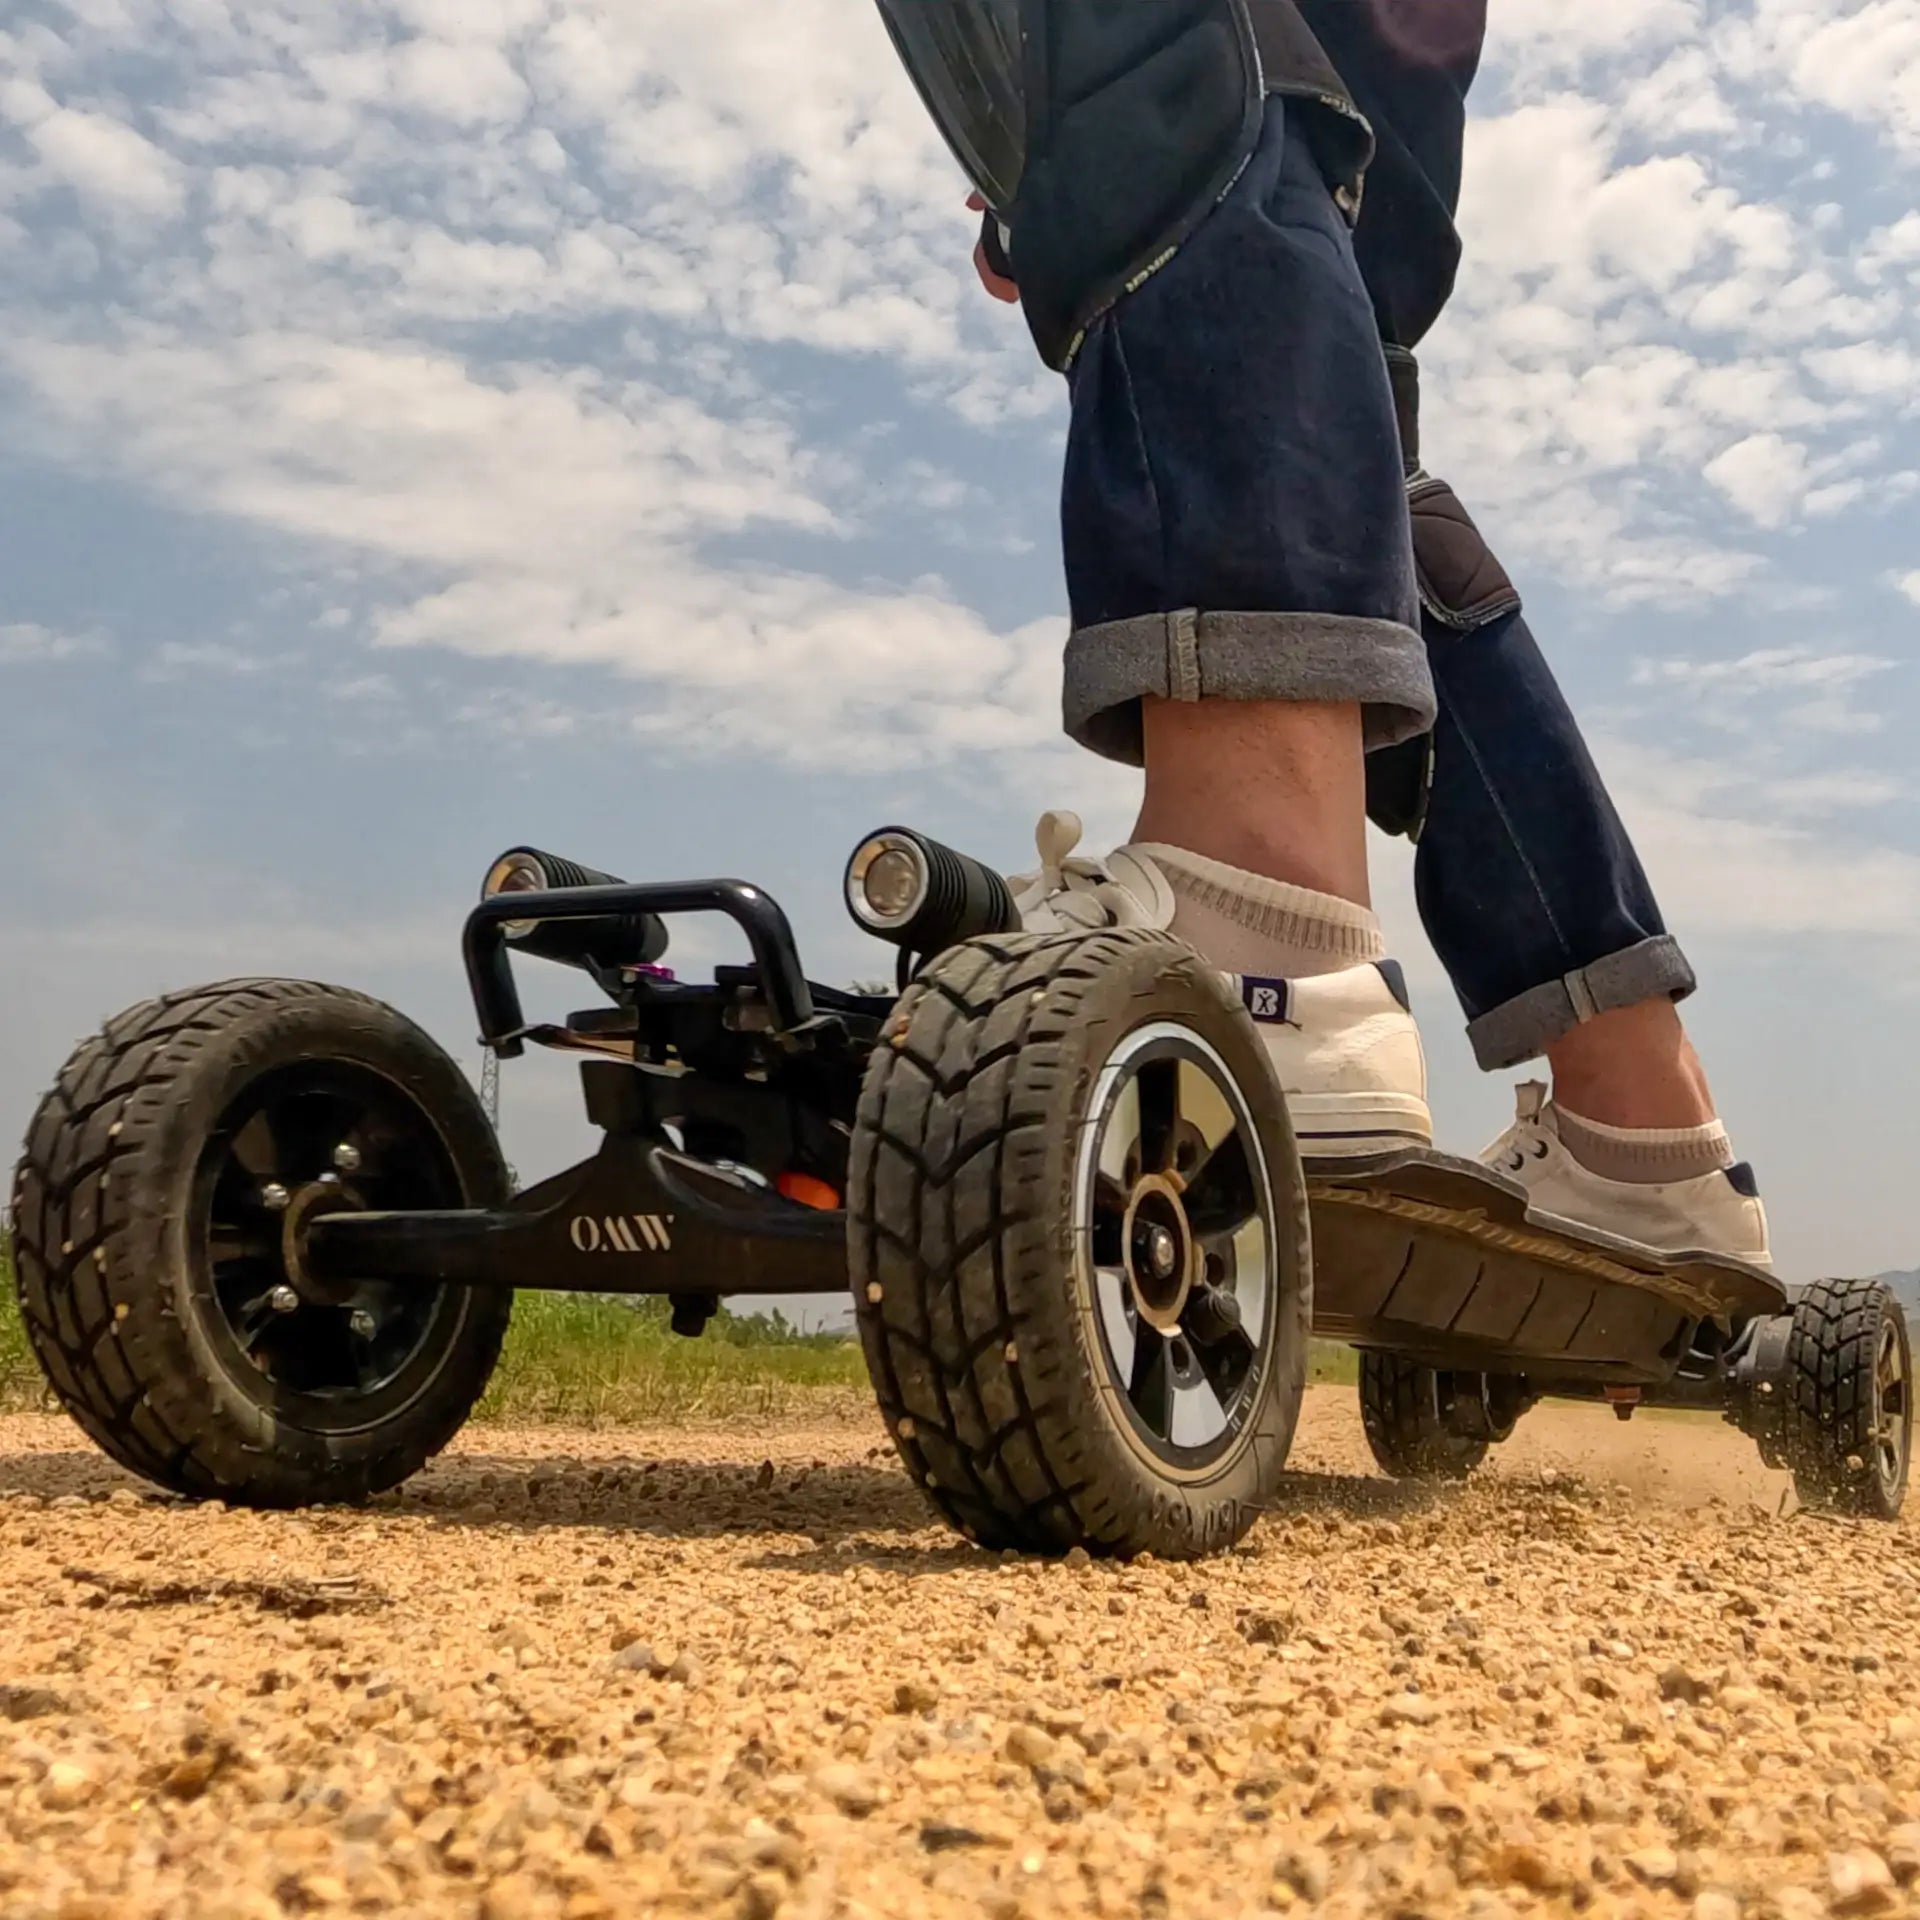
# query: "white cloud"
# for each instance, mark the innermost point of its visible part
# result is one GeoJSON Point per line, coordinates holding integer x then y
{"type": "Point", "coordinates": [24, 643]}
{"type": "Point", "coordinates": [1764, 475]}
{"type": "Point", "coordinates": [1909, 584]}
{"type": "Point", "coordinates": [99, 156]}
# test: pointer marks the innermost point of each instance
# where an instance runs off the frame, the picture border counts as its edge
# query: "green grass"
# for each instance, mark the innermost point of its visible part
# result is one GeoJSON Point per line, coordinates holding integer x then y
{"type": "Point", "coordinates": [577, 1361]}
{"type": "Point", "coordinates": [20, 1384]}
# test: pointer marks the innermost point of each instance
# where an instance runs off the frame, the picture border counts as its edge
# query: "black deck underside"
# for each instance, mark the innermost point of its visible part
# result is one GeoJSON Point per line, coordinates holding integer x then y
{"type": "Point", "coordinates": [1440, 1259]}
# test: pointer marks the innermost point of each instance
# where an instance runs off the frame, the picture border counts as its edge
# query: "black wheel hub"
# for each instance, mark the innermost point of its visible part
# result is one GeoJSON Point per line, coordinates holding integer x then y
{"type": "Point", "coordinates": [1176, 1216]}
{"type": "Point", "coordinates": [322, 1137]}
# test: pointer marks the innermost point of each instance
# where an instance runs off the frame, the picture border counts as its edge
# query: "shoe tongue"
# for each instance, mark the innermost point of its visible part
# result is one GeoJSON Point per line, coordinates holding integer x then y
{"type": "Point", "coordinates": [1530, 1100]}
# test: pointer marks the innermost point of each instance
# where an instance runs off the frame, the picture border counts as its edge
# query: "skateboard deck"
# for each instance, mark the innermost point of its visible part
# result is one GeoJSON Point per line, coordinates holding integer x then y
{"type": "Point", "coordinates": [1442, 1259]}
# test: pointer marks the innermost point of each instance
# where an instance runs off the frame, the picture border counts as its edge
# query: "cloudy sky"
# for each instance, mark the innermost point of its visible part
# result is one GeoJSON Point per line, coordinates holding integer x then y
{"type": "Point", "coordinates": [429, 425]}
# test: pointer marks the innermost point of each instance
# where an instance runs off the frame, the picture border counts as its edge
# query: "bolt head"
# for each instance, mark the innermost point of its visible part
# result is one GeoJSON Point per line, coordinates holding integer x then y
{"type": "Point", "coordinates": [346, 1156]}
{"type": "Point", "coordinates": [274, 1197]}
{"type": "Point", "coordinates": [284, 1300]}
{"type": "Point", "coordinates": [362, 1323]}
{"type": "Point", "coordinates": [1163, 1252]}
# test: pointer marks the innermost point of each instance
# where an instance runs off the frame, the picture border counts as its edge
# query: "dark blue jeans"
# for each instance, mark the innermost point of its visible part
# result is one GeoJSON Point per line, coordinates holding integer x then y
{"type": "Point", "coordinates": [1236, 527]}
{"type": "Point", "coordinates": [1529, 887]}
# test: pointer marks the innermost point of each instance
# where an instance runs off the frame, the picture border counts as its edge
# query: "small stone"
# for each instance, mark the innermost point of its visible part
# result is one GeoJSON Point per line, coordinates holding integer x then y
{"type": "Point", "coordinates": [915, 1696]}
{"type": "Point", "coordinates": [941, 1836]}
{"type": "Point", "coordinates": [683, 1670]}
{"type": "Point", "coordinates": [852, 1789]}
{"type": "Point", "coordinates": [29, 1703]}
{"type": "Point", "coordinates": [1654, 1866]}
{"type": "Point", "coordinates": [67, 1785]}
{"type": "Point", "coordinates": [1676, 1683]}
{"type": "Point", "coordinates": [762, 1897]}
{"type": "Point", "coordinates": [1410, 1710]}
{"type": "Point", "coordinates": [1031, 1747]}
{"type": "Point", "coordinates": [1902, 1852]}
{"type": "Point", "coordinates": [1715, 1903]}
{"type": "Point", "coordinates": [190, 1777]}
{"type": "Point", "coordinates": [1305, 1871]}
{"type": "Point", "coordinates": [1520, 1864]}
{"type": "Point", "coordinates": [1267, 1629]}
{"type": "Point", "coordinates": [1860, 1882]}
{"type": "Point", "coordinates": [517, 1897]}
{"type": "Point", "coordinates": [1076, 1558]}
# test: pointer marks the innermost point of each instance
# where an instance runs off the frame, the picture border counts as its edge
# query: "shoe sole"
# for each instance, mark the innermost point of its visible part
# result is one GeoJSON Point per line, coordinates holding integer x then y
{"type": "Point", "coordinates": [1345, 1125]}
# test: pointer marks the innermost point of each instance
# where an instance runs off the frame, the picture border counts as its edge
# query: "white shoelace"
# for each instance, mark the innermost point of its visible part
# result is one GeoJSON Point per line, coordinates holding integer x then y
{"type": "Point", "coordinates": [1068, 892]}
{"type": "Point", "coordinates": [1527, 1138]}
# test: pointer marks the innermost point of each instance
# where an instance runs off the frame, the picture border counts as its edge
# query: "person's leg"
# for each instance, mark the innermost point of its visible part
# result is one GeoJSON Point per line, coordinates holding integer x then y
{"type": "Point", "coordinates": [1276, 787]}
{"type": "Point", "coordinates": [1246, 625]}
{"type": "Point", "coordinates": [1537, 904]}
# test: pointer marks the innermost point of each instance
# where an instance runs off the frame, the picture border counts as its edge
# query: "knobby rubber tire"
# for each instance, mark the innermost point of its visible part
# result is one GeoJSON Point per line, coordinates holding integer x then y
{"type": "Point", "coordinates": [1828, 1436]}
{"type": "Point", "coordinates": [973, 1309]}
{"type": "Point", "coordinates": [102, 1256]}
{"type": "Point", "coordinates": [1400, 1410]}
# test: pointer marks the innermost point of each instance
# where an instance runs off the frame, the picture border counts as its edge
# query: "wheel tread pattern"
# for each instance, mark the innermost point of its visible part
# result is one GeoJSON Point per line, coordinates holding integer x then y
{"type": "Point", "coordinates": [1399, 1409]}
{"type": "Point", "coordinates": [1829, 1438]}
{"type": "Point", "coordinates": [77, 1215]}
{"type": "Point", "coordinates": [950, 1222]}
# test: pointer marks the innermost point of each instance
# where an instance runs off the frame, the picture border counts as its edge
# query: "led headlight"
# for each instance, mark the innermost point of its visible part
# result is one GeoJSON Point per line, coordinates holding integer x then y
{"type": "Point", "coordinates": [520, 871]}
{"type": "Point", "coordinates": [887, 881]}
{"type": "Point", "coordinates": [919, 895]}
{"type": "Point", "coordinates": [608, 944]}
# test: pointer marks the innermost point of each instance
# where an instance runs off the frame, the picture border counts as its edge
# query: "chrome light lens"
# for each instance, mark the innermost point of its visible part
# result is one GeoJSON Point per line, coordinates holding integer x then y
{"type": "Point", "coordinates": [518, 872]}
{"type": "Point", "coordinates": [887, 881]}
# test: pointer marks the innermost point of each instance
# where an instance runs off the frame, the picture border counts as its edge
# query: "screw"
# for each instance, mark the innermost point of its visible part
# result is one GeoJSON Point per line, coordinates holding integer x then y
{"type": "Point", "coordinates": [284, 1300]}
{"type": "Point", "coordinates": [1162, 1252]}
{"type": "Point", "coordinates": [273, 1196]}
{"type": "Point", "coordinates": [346, 1156]}
{"type": "Point", "coordinates": [363, 1324]}
{"type": "Point", "coordinates": [329, 1180]}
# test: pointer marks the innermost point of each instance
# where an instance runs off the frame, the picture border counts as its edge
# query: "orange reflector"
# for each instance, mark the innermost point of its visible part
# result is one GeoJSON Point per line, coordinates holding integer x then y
{"type": "Point", "coordinates": [807, 1191]}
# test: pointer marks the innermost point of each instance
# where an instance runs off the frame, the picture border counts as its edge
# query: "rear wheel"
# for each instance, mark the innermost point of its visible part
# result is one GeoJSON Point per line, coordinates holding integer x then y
{"type": "Point", "coordinates": [1849, 1389]}
{"type": "Point", "coordinates": [1425, 1424]}
{"type": "Point", "coordinates": [158, 1214]}
{"type": "Point", "coordinates": [1079, 1246]}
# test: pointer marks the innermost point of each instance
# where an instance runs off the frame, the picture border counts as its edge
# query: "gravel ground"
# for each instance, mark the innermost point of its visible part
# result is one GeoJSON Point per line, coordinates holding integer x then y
{"type": "Point", "coordinates": [737, 1673]}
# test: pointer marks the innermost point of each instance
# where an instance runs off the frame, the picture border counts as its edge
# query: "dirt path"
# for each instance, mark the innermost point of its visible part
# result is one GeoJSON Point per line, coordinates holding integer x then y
{"type": "Point", "coordinates": [555, 1679]}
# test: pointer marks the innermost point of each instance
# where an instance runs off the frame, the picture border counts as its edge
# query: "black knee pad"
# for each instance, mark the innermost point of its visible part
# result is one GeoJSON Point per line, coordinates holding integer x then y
{"type": "Point", "coordinates": [1143, 116]}
{"type": "Point", "coordinates": [1463, 587]}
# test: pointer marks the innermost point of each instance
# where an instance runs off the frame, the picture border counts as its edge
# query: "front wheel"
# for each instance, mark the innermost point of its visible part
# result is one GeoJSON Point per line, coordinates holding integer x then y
{"type": "Point", "coordinates": [1849, 1393]}
{"type": "Point", "coordinates": [157, 1213]}
{"type": "Point", "coordinates": [1079, 1241]}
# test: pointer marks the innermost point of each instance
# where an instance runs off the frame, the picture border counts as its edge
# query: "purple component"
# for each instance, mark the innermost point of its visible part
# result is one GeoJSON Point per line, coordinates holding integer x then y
{"type": "Point", "coordinates": [664, 974]}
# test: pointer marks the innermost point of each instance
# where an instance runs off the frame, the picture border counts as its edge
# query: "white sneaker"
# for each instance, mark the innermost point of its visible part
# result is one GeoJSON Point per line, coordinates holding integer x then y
{"type": "Point", "coordinates": [1716, 1213]}
{"type": "Point", "coordinates": [1344, 1045]}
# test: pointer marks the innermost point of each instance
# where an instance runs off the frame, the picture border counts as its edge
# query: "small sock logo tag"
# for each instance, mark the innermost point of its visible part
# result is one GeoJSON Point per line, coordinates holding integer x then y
{"type": "Point", "coordinates": [1268, 1001]}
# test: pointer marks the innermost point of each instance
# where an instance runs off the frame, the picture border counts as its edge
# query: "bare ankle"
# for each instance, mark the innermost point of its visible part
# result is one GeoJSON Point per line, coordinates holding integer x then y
{"type": "Point", "coordinates": [1273, 787]}
{"type": "Point", "coordinates": [1632, 1067]}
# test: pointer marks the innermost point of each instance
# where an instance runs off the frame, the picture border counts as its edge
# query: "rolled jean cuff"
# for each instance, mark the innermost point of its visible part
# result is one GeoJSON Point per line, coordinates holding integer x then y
{"type": "Point", "coordinates": [1526, 1026]}
{"type": "Point", "coordinates": [1188, 655]}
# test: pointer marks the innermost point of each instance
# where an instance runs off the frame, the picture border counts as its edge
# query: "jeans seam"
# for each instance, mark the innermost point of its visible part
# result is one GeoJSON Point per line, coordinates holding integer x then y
{"type": "Point", "coordinates": [1513, 840]}
{"type": "Point", "coordinates": [1146, 458]}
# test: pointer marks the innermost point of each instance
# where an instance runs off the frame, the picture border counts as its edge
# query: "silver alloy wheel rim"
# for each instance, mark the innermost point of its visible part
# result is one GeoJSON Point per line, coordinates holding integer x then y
{"type": "Point", "coordinates": [1171, 1148]}
{"type": "Point", "coordinates": [1892, 1411]}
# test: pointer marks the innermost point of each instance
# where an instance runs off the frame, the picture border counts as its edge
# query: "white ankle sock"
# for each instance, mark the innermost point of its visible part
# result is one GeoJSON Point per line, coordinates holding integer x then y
{"type": "Point", "coordinates": [1245, 923]}
{"type": "Point", "coordinates": [1645, 1156]}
